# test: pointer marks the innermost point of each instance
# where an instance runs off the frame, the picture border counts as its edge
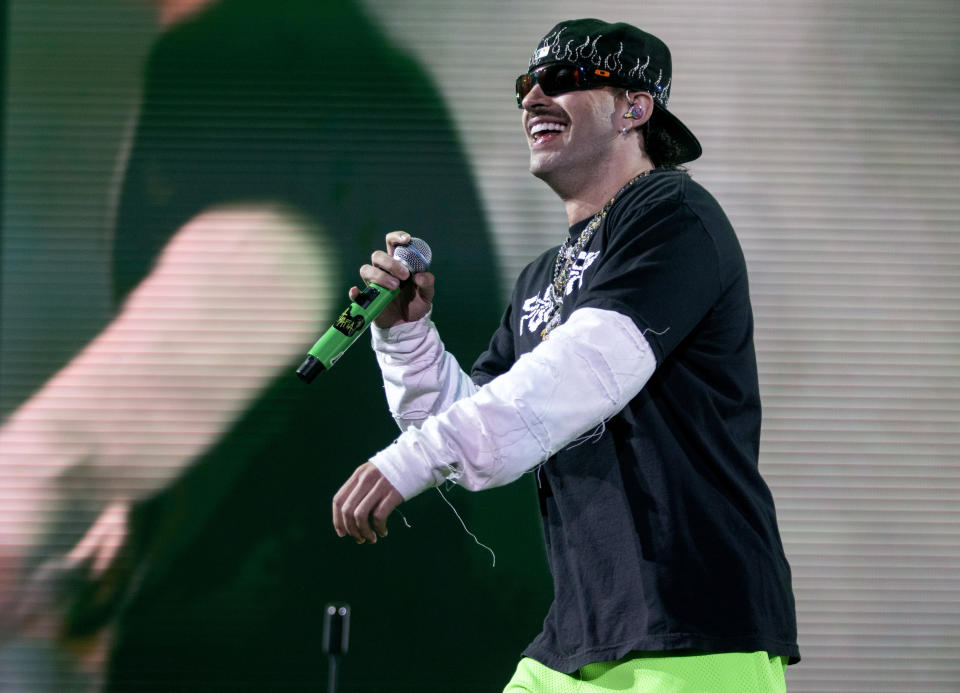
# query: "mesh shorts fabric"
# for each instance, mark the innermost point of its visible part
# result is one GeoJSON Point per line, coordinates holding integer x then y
{"type": "Point", "coordinates": [737, 672]}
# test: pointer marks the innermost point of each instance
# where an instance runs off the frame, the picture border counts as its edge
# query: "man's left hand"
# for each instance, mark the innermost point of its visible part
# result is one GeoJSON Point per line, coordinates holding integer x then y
{"type": "Point", "coordinates": [366, 496]}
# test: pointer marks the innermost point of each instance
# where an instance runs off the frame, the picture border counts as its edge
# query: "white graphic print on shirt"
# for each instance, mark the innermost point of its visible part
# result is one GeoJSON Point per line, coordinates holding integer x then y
{"type": "Point", "coordinates": [575, 280]}
{"type": "Point", "coordinates": [536, 309]}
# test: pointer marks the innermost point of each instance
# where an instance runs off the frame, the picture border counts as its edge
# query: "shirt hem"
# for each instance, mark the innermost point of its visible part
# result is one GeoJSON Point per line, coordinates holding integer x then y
{"type": "Point", "coordinates": [678, 643]}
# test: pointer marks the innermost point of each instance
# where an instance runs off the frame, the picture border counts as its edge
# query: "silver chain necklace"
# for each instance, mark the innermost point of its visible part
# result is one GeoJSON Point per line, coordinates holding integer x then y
{"type": "Point", "coordinates": [568, 255]}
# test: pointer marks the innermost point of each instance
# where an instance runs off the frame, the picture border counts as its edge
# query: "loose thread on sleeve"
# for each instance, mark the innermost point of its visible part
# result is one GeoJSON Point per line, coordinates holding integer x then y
{"type": "Point", "coordinates": [593, 436]}
{"type": "Point", "coordinates": [659, 334]}
{"type": "Point", "coordinates": [536, 471]}
{"type": "Point", "coordinates": [464, 525]}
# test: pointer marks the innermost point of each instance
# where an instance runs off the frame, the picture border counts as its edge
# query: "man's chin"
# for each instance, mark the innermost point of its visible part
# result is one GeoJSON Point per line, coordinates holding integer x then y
{"type": "Point", "coordinates": [551, 175]}
{"type": "Point", "coordinates": [542, 169]}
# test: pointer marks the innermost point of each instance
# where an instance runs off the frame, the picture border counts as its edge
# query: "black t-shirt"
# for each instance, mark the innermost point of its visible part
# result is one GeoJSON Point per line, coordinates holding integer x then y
{"type": "Point", "coordinates": [661, 534]}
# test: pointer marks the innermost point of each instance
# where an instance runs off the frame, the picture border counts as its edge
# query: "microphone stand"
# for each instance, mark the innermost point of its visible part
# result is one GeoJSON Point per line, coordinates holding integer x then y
{"type": "Point", "coordinates": [336, 640]}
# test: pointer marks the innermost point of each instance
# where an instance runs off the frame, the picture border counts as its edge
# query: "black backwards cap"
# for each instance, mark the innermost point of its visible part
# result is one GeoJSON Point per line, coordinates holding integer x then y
{"type": "Point", "coordinates": [637, 59]}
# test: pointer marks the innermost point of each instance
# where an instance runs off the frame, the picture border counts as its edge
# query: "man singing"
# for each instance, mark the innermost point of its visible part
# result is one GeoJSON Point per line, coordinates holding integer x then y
{"type": "Point", "coordinates": [623, 373]}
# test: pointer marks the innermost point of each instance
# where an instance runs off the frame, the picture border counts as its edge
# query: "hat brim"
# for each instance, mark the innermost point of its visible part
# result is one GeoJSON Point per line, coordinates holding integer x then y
{"type": "Point", "coordinates": [688, 144]}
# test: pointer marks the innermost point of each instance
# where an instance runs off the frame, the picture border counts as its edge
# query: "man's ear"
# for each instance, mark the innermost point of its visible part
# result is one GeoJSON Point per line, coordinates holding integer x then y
{"type": "Point", "coordinates": [638, 107]}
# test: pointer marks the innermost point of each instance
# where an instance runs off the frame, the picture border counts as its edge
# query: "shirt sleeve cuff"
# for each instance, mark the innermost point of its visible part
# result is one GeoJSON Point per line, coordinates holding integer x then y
{"type": "Point", "coordinates": [409, 466]}
{"type": "Point", "coordinates": [400, 339]}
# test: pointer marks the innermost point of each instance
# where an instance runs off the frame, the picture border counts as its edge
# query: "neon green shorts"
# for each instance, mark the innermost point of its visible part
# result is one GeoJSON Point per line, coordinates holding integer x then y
{"type": "Point", "coordinates": [736, 672]}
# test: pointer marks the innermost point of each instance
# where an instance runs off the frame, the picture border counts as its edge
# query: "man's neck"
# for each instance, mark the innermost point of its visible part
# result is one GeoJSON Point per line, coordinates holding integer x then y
{"type": "Point", "coordinates": [591, 197]}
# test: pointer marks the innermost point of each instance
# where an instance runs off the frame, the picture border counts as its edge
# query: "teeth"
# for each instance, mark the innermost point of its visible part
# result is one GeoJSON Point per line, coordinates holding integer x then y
{"type": "Point", "coordinates": [547, 127]}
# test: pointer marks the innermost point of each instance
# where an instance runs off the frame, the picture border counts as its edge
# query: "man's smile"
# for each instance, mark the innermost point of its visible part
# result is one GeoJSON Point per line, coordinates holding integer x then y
{"type": "Point", "coordinates": [542, 129]}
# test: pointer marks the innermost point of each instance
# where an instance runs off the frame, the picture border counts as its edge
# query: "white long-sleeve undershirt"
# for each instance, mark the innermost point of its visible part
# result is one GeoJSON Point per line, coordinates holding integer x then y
{"type": "Point", "coordinates": [588, 370]}
{"type": "Point", "coordinates": [420, 377]}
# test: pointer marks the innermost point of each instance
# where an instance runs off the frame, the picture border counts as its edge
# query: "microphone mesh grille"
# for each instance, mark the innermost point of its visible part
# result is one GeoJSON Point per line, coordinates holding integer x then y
{"type": "Point", "coordinates": [416, 255]}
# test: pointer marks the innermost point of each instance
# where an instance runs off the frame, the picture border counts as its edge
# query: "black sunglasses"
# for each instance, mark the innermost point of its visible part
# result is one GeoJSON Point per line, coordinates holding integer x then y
{"type": "Point", "coordinates": [560, 78]}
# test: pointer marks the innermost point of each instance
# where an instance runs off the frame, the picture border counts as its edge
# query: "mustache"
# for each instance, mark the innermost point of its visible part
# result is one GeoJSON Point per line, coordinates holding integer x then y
{"type": "Point", "coordinates": [545, 110]}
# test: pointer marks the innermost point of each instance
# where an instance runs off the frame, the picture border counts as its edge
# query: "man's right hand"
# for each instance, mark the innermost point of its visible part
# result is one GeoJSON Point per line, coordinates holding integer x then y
{"type": "Point", "coordinates": [413, 302]}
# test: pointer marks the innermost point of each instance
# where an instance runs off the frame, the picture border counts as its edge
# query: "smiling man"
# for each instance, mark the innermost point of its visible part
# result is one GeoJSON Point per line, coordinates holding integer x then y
{"type": "Point", "coordinates": [624, 373]}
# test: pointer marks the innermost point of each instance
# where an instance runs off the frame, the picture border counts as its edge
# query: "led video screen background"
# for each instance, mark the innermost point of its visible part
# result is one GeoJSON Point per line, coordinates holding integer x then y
{"type": "Point", "coordinates": [831, 134]}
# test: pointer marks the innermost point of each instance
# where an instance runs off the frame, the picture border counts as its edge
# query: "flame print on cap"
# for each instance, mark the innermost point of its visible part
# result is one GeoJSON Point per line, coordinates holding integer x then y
{"type": "Point", "coordinates": [588, 53]}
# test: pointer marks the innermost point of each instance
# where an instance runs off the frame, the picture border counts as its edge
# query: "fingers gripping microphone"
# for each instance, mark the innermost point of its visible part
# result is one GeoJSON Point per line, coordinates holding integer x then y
{"type": "Point", "coordinates": [354, 321]}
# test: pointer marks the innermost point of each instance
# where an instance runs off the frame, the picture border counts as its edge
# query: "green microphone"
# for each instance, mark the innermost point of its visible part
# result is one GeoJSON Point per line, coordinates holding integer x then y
{"type": "Point", "coordinates": [362, 311]}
